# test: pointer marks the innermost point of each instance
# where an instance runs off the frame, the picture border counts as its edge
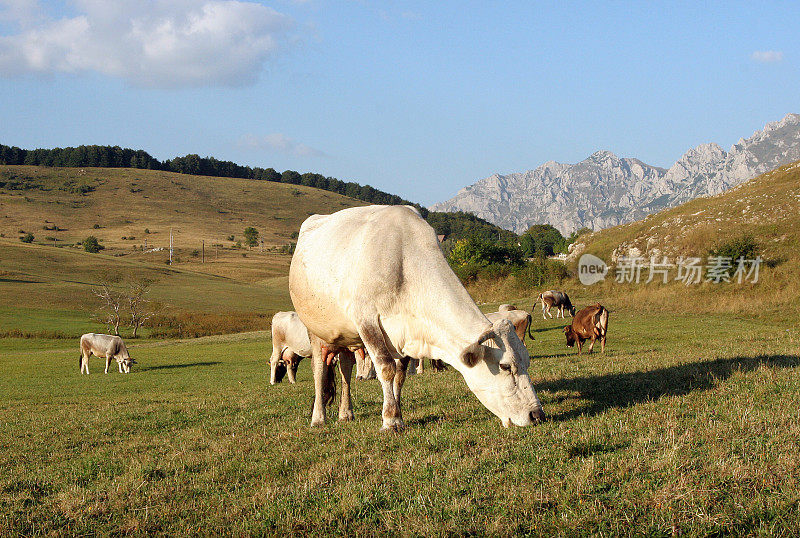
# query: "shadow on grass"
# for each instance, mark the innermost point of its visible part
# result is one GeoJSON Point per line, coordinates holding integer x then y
{"type": "Point", "coordinates": [21, 281]}
{"type": "Point", "coordinates": [559, 327]}
{"type": "Point", "coordinates": [424, 421]}
{"type": "Point", "coordinates": [623, 390]}
{"type": "Point", "coordinates": [182, 365]}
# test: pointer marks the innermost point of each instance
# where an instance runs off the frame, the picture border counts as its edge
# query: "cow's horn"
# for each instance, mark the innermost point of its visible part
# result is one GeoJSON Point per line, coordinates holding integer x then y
{"type": "Point", "coordinates": [488, 334]}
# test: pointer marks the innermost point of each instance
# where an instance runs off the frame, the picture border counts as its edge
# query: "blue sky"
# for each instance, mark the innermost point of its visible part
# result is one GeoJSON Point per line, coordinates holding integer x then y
{"type": "Point", "coordinates": [415, 98]}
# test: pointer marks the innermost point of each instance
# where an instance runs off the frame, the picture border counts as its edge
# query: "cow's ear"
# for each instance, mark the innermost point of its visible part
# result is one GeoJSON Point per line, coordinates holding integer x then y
{"type": "Point", "coordinates": [472, 354]}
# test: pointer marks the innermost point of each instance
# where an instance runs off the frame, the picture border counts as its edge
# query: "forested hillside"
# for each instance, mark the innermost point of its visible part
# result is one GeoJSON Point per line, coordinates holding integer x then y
{"type": "Point", "coordinates": [458, 224]}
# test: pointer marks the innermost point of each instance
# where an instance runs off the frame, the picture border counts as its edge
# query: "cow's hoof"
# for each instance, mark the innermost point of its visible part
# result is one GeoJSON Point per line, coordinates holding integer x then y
{"type": "Point", "coordinates": [317, 422]}
{"type": "Point", "coordinates": [346, 417]}
{"type": "Point", "coordinates": [395, 427]}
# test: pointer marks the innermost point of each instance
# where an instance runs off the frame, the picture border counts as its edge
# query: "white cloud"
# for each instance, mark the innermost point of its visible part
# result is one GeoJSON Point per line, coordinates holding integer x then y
{"type": "Point", "coordinates": [281, 143]}
{"type": "Point", "coordinates": [767, 56]}
{"type": "Point", "coordinates": [150, 43]}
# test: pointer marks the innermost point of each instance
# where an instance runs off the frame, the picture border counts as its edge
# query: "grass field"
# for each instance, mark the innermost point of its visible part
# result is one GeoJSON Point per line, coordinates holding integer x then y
{"type": "Point", "coordinates": [689, 424]}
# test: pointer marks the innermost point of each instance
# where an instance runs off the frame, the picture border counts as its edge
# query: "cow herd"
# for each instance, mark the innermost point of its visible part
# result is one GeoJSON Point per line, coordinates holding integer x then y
{"type": "Point", "coordinates": [401, 304]}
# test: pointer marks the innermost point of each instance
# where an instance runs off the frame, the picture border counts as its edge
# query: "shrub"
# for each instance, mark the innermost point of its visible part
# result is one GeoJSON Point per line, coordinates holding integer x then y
{"type": "Point", "coordinates": [91, 244]}
{"type": "Point", "coordinates": [251, 236]}
{"type": "Point", "coordinates": [743, 246]}
{"type": "Point", "coordinates": [482, 252]}
{"type": "Point", "coordinates": [27, 238]}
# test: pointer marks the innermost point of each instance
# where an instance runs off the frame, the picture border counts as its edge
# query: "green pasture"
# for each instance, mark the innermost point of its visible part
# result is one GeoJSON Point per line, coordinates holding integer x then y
{"type": "Point", "coordinates": [688, 424]}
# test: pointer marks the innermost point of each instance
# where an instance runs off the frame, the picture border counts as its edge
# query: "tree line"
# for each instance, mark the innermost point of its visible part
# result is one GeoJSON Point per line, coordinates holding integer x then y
{"type": "Point", "coordinates": [458, 224]}
{"type": "Point", "coordinates": [117, 157]}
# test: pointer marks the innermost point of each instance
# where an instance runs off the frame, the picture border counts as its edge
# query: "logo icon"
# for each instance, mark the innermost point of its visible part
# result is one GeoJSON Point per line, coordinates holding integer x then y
{"type": "Point", "coordinates": [591, 269]}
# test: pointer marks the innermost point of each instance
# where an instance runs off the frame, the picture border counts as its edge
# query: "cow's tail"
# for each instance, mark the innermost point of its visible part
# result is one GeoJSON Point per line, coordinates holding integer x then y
{"type": "Point", "coordinates": [603, 321]}
{"type": "Point", "coordinates": [80, 362]}
{"type": "Point", "coordinates": [530, 322]}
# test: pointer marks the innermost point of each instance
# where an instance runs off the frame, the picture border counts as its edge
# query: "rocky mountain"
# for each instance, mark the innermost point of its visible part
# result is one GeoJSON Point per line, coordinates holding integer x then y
{"type": "Point", "coordinates": [605, 190]}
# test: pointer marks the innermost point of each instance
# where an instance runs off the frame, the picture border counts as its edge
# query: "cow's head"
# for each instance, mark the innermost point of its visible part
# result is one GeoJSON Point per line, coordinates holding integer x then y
{"type": "Point", "coordinates": [571, 310]}
{"type": "Point", "coordinates": [571, 335]}
{"type": "Point", "coordinates": [279, 372]}
{"type": "Point", "coordinates": [126, 363]}
{"type": "Point", "coordinates": [498, 375]}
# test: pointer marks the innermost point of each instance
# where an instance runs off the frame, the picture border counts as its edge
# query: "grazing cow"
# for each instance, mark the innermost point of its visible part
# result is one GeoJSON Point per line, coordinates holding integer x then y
{"type": "Point", "coordinates": [290, 344]}
{"type": "Point", "coordinates": [506, 307]}
{"type": "Point", "coordinates": [402, 301]}
{"type": "Point", "coordinates": [520, 319]}
{"type": "Point", "coordinates": [558, 299]}
{"type": "Point", "coordinates": [104, 346]}
{"type": "Point", "coordinates": [439, 366]}
{"type": "Point", "coordinates": [590, 323]}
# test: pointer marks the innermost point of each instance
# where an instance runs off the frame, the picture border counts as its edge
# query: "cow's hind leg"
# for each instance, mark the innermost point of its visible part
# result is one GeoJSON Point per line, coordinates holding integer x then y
{"type": "Point", "coordinates": [372, 336]}
{"type": "Point", "coordinates": [324, 390]}
{"type": "Point", "coordinates": [591, 344]}
{"type": "Point", "coordinates": [290, 359]}
{"type": "Point", "coordinates": [400, 377]}
{"type": "Point", "coordinates": [108, 361]}
{"type": "Point", "coordinates": [346, 362]}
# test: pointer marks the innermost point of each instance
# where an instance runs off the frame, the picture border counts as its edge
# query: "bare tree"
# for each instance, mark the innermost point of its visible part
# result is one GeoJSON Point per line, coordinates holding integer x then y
{"type": "Point", "coordinates": [139, 306]}
{"type": "Point", "coordinates": [111, 303]}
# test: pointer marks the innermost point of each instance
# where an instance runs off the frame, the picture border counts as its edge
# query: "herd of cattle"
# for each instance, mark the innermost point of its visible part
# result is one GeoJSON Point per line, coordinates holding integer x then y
{"type": "Point", "coordinates": [402, 304]}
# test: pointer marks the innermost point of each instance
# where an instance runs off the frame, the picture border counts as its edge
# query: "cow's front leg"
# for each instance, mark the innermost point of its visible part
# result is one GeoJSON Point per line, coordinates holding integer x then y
{"type": "Point", "coordinates": [346, 362]}
{"type": "Point", "coordinates": [421, 366]}
{"type": "Point", "coordinates": [579, 343]}
{"type": "Point", "coordinates": [119, 367]}
{"type": "Point", "coordinates": [591, 344]}
{"type": "Point", "coordinates": [372, 336]}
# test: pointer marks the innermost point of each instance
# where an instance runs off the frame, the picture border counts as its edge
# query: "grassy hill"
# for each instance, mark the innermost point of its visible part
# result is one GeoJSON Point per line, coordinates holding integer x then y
{"type": "Point", "coordinates": [766, 208]}
{"type": "Point", "coordinates": [46, 287]}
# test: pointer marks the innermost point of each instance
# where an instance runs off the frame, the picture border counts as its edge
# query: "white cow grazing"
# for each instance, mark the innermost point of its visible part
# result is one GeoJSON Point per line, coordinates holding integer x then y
{"type": "Point", "coordinates": [402, 300]}
{"type": "Point", "coordinates": [104, 346]}
{"type": "Point", "coordinates": [520, 319]}
{"type": "Point", "coordinates": [290, 344]}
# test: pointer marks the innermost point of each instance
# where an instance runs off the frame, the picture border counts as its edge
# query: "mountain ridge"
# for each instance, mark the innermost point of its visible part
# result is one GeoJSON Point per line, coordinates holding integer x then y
{"type": "Point", "coordinates": [605, 190]}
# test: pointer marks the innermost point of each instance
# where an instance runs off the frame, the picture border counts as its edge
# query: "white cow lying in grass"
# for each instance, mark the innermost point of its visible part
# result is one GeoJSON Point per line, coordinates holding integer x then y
{"type": "Point", "coordinates": [400, 301]}
{"type": "Point", "coordinates": [104, 346]}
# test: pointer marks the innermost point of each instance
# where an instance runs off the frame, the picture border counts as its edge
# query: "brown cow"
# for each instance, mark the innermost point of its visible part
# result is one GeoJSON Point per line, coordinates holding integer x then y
{"type": "Point", "coordinates": [555, 299]}
{"type": "Point", "coordinates": [590, 323]}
